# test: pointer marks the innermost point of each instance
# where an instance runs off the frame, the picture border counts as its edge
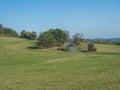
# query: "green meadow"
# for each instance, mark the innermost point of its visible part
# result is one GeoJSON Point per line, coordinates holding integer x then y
{"type": "Point", "coordinates": [41, 69]}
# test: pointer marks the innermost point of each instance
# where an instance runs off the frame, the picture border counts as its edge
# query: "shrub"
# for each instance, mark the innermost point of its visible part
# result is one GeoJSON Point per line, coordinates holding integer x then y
{"type": "Point", "coordinates": [91, 48]}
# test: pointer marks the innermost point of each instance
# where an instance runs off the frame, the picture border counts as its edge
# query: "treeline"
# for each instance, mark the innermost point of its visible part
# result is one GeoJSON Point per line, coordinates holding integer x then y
{"type": "Point", "coordinates": [8, 31]}
{"type": "Point", "coordinates": [5, 31]}
{"type": "Point", "coordinates": [53, 37]}
{"type": "Point", "coordinates": [106, 42]}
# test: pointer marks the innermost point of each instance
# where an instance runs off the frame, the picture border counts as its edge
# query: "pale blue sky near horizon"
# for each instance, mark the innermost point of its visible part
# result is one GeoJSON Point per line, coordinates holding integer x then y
{"type": "Point", "coordinates": [93, 18]}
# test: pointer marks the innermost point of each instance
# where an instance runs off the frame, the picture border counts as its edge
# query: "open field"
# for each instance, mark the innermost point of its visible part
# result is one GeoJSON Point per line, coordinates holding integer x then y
{"type": "Point", "coordinates": [34, 69]}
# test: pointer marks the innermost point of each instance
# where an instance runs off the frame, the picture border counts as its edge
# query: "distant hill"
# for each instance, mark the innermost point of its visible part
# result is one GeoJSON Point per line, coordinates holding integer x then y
{"type": "Point", "coordinates": [114, 39]}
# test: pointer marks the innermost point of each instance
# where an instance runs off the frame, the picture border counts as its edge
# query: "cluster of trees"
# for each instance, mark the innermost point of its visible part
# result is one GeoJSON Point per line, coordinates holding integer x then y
{"type": "Point", "coordinates": [8, 31]}
{"type": "Point", "coordinates": [53, 37]}
{"type": "Point", "coordinates": [28, 35]}
{"type": "Point", "coordinates": [78, 42]}
{"type": "Point", "coordinates": [106, 42]}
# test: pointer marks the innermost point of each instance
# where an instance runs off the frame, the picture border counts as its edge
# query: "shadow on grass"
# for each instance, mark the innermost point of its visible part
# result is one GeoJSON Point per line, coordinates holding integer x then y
{"type": "Point", "coordinates": [34, 47]}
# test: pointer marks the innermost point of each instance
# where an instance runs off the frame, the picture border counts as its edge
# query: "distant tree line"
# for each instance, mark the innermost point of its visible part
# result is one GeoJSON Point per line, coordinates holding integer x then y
{"type": "Point", "coordinates": [8, 31]}
{"type": "Point", "coordinates": [28, 35]}
{"type": "Point", "coordinates": [106, 42]}
{"type": "Point", "coordinates": [55, 38]}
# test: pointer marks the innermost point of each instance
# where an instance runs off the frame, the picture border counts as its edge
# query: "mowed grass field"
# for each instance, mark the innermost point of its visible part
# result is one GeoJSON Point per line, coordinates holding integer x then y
{"type": "Point", "coordinates": [34, 69]}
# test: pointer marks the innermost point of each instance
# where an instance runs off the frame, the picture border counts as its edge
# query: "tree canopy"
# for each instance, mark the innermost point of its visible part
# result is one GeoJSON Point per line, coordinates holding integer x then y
{"type": "Point", "coordinates": [77, 38]}
{"type": "Point", "coordinates": [8, 31]}
{"type": "Point", "coordinates": [91, 47]}
{"type": "Point", "coordinates": [53, 37]}
{"type": "Point", "coordinates": [46, 39]}
{"type": "Point", "coordinates": [28, 35]}
{"type": "Point", "coordinates": [61, 36]}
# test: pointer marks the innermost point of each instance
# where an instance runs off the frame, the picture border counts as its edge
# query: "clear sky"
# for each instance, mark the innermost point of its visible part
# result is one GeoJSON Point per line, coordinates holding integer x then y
{"type": "Point", "coordinates": [93, 18]}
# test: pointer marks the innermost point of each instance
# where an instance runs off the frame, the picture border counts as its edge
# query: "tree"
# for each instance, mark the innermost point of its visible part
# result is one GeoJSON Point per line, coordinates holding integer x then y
{"type": "Point", "coordinates": [1, 29]}
{"type": "Point", "coordinates": [22, 34]}
{"type": "Point", "coordinates": [28, 35]}
{"type": "Point", "coordinates": [53, 37]}
{"type": "Point", "coordinates": [14, 33]}
{"type": "Point", "coordinates": [77, 38]}
{"type": "Point", "coordinates": [8, 31]}
{"type": "Point", "coordinates": [33, 35]}
{"type": "Point", "coordinates": [91, 47]}
{"type": "Point", "coordinates": [61, 36]}
{"type": "Point", "coordinates": [46, 40]}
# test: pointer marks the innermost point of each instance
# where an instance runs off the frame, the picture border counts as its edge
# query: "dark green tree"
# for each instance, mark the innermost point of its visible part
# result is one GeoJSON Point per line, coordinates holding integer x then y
{"type": "Point", "coordinates": [61, 36]}
{"type": "Point", "coordinates": [22, 34]}
{"type": "Point", "coordinates": [1, 29]}
{"type": "Point", "coordinates": [46, 39]}
{"type": "Point", "coordinates": [91, 47]}
{"type": "Point", "coordinates": [33, 35]}
{"type": "Point", "coordinates": [8, 31]}
{"type": "Point", "coordinates": [28, 35]}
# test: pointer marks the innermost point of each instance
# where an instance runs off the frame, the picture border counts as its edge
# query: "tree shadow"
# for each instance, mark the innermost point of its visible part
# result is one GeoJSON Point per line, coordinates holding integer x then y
{"type": "Point", "coordinates": [34, 47]}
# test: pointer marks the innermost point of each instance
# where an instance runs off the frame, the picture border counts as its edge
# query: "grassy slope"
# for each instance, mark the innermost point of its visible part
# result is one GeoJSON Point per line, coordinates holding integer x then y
{"type": "Point", "coordinates": [27, 69]}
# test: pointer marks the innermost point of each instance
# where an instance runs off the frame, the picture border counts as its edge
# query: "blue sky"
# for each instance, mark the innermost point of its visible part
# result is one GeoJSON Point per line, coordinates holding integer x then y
{"type": "Point", "coordinates": [93, 18]}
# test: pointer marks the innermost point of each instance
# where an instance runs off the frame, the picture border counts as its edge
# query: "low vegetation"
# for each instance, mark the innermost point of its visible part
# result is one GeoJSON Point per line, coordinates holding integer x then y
{"type": "Point", "coordinates": [91, 47]}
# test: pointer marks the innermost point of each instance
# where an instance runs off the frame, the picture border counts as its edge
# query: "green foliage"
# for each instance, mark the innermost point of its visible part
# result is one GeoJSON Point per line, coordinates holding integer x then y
{"type": "Point", "coordinates": [117, 43]}
{"type": "Point", "coordinates": [83, 47]}
{"type": "Point", "coordinates": [77, 38]}
{"type": "Point", "coordinates": [8, 31]}
{"type": "Point", "coordinates": [103, 42]}
{"type": "Point", "coordinates": [91, 47]}
{"type": "Point", "coordinates": [60, 36]}
{"type": "Point", "coordinates": [28, 35]}
{"type": "Point", "coordinates": [107, 42]}
{"type": "Point", "coordinates": [46, 39]}
{"type": "Point", "coordinates": [77, 41]}
{"type": "Point", "coordinates": [33, 35]}
{"type": "Point", "coordinates": [53, 37]}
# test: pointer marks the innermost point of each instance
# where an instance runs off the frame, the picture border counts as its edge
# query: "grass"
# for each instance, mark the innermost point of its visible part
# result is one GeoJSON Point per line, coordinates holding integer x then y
{"type": "Point", "coordinates": [34, 69]}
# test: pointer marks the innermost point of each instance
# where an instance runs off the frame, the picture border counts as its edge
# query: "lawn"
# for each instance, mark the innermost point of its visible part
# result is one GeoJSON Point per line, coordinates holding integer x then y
{"type": "Point", "coordinates": [36, 69]}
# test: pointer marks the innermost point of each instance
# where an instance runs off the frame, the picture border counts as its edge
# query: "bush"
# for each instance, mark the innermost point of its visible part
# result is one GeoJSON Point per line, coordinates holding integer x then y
{"type": "Point", "coordinates": [91, 48]}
